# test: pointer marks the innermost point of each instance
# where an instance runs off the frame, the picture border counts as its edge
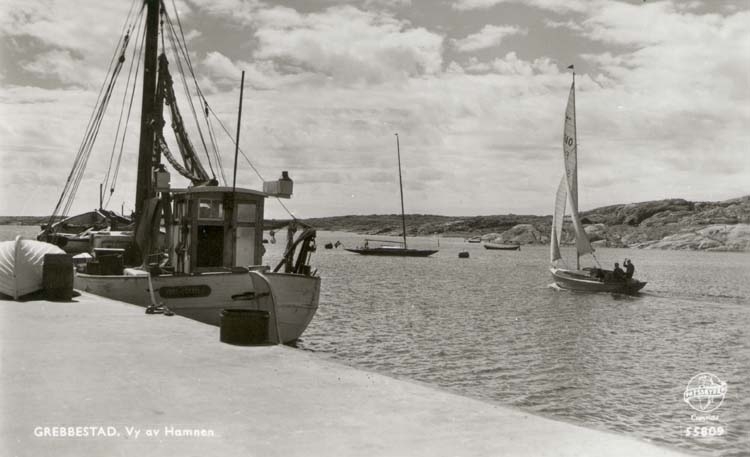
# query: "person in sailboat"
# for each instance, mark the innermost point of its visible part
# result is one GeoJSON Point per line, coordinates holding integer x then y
{"type": "Point", "coordinates": [618, 273]}
{"type": "Point", "coordinates": [629, 269]}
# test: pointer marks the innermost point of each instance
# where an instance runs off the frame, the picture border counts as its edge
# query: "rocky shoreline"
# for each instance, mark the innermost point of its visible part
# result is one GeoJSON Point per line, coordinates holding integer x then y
{"type": "Point", "coordinates": [663, 224]}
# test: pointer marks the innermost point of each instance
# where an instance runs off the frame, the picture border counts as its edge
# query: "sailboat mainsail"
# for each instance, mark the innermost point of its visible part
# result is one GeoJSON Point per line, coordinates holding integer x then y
{"type": "Point", "coordinates": [570, 150]}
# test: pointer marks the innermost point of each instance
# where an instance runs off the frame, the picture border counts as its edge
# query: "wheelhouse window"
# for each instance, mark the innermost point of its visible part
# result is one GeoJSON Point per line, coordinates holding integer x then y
{"type": "Point", "coordinates": [246, 212]}
{"type": "Point", "coordinates": [210, 209]}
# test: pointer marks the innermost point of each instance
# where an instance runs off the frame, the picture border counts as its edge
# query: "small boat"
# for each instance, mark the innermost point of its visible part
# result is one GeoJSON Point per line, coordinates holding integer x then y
{"type": "Point", "coordinates": [474, 239]}
{"type": "Point", "coordinates": [75, 234]}
{"type": "Point", "coordinates": [21, 265]}
{"type": "Point", "coordinates": [394, 248]}
{"type": "Point", "coordinates": [194, 251]}
{"type": "Point", "coordinates": [502, 247]}
{"type": "Point", "coordinates": [592, 279]}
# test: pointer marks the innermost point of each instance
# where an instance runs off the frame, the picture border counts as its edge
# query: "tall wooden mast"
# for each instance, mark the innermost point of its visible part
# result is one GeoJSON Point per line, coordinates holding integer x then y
{"type": "Point", "coordinates": [147, 153]}
{"type": "Point", "coordinates": [401, 190]}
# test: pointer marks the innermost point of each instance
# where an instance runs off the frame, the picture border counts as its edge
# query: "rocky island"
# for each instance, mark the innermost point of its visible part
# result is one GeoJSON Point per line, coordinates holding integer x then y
{"type": "Point", "coordinates": [661, 224]}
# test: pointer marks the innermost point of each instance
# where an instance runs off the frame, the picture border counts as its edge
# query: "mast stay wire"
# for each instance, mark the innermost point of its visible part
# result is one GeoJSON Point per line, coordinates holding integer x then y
{"type": "Point", "coordinates": [134, 62]}
{"type": "Point", "coordinates": [189, 63]}
{"type": "Point", "coordinates": [234, 141]}
{"type": "Point", "coordinates": [137, 53]}
{"type": "Point", "coordinates": [198, 91]}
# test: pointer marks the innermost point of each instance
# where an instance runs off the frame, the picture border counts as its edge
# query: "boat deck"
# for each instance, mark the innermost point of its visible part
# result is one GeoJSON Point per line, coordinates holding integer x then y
{"type": "Point", "coordinates": [95, 362]}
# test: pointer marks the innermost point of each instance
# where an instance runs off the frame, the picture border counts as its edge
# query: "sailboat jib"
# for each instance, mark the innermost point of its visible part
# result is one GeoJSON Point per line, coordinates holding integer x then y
{"type": "Point", "coordinates": [557, 220]}
{"type": "Point", "coordinates": [583, 246]}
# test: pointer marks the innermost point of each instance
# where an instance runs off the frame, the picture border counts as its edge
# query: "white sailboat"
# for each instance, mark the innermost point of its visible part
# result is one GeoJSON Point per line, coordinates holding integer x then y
{"type": "Point", "coordinates": [593, 279]}
{"type": "Point", "coordinates": [198, 250]}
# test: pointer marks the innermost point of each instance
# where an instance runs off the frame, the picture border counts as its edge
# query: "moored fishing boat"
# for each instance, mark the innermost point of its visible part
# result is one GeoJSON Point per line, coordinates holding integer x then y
{"type": "Point", "coordinates": [194, 251]}
{"type": "Point", "coordinates": [593, 279]}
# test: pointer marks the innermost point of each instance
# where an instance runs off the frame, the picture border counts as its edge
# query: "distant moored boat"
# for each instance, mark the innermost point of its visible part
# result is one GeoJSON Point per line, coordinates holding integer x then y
{"type": "Point", "coordinates": [502, 247]}
{"type": "Point", "coordinates": [394, 248]}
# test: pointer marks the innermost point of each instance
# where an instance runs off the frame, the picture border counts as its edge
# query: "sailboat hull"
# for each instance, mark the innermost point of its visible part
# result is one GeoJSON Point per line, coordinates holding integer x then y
{"type": "Point", "coordinates": [394, 252]}
{"type": "Point", "coordinates": [502, 247]}
{"type": "Point", "coordinates": [203, 297]}
{"type": "Point", "coordinates": [582, 281]}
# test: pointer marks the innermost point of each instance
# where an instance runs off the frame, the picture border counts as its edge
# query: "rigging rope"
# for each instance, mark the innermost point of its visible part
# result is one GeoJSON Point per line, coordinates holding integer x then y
{"type": "Point", "coordinates": [193, 169]}
{"type": "Point", "coordinates": [197, 173]}
{"type": "Point", "coordinates": [182, 46]}
{"type": "Point", "coordinates": [84, 151]}
{"type": "Point", "coordinates": [212, 136]}
{"type": "Point", "coordinates": [137, 53]}
{"type": "Point", "coordinates": [178, 49]}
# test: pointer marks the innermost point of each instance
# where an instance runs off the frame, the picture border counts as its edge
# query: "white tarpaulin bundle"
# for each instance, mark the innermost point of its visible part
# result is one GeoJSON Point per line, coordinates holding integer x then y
{"type": "Point", "coordinates": [21, 265]}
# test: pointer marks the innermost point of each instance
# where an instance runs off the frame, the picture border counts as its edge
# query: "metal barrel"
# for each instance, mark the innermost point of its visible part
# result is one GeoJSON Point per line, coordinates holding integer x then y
{"type": "Point", "coordinates": [244, 327]}
{"type": "Point", "coordinates": [57, 276]}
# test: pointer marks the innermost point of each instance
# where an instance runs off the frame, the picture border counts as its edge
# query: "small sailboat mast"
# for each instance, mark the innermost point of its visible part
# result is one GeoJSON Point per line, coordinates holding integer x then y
{"type": "Point", "coordinates": [574, 190]}
{"type": "Point", "coordinates": [401, 190]}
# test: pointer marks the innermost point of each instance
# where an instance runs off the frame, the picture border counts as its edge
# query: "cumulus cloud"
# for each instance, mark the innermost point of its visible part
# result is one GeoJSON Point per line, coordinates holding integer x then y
{"type": "Point", "coordinates": [559, 6]}
{"type": "Point", "coordinates": [55, 29]}
{"type": "Point", "coordinates": [489, 36]}
{"type": "Point", "coordinates": [512, 65]}
{"type": "Point", "coordinates": [327, 88]}
{"type": "Point", "coordinates": [347, 44]}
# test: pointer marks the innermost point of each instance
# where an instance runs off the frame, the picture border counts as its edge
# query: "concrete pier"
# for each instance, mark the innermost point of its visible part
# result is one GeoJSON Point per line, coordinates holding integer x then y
{"type": "Point", "coordinates": [125, 383]}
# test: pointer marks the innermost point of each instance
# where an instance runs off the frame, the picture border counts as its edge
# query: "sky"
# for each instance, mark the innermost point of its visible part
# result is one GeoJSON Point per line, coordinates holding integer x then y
{"type": "Point", "coordinates": [476, 90]}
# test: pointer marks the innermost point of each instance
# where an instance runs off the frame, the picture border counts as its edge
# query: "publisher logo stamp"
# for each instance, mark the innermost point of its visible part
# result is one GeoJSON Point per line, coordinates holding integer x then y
{"type": "Point", "coordinates": [705, 392]}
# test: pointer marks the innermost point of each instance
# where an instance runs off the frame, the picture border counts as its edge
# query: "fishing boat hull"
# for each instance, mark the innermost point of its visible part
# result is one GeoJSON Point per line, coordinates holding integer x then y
{"type": "Point", "coordinates": [502, 247]}
{"type": "Point", "coordinates": [394, 252]}
{"type": "Point", "coordinates": [203, 297]}
{"type": "Point", "coordinates": [583, 281]}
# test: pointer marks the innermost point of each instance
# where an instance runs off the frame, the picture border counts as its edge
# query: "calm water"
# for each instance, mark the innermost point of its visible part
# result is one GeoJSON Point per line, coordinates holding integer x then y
{"type": "Point", "coordinates": [490, 327]}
